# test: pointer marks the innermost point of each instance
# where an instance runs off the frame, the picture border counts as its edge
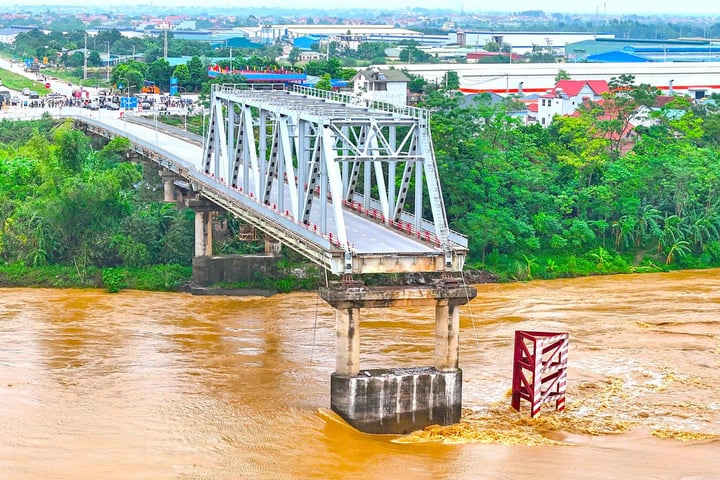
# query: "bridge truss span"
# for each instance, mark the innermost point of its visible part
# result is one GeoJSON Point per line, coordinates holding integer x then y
{"type": "Point", "coordinates": [357, 176]}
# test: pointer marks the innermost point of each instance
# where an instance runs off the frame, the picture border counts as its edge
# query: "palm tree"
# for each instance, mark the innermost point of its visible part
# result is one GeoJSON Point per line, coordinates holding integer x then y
{"type": "Point", "coordinates": [623, 229]}
{"type": "Point", "coordinates": [648, 222]}
{"type": "Point", "coordinates": [671, 232]}
{"type": "Point", "coordinates": [699, 228]}
{"type": "Point", "coordinates": [530, 263]}
{"type": "Point", "coordinates": [601, 256]}
{"type": "Point", "coordinates": [679, 248]}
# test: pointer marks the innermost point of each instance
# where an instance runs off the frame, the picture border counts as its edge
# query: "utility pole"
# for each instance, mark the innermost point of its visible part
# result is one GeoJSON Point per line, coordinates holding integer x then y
{"type": "Point", "coordinates": [165, 50]}
{"type": "Point", "coordinates": [85, 59]}
{"type": "Point", "coordinates": [107, 65]}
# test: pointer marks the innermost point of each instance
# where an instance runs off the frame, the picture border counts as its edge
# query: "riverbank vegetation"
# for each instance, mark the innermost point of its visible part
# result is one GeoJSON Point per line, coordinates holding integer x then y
{"type": "Point", "coordinates": [77, 214]}
{"type": "Point", "coordinates": [628, 184]}
{"type": "Point", "coordinates": [74, 213]}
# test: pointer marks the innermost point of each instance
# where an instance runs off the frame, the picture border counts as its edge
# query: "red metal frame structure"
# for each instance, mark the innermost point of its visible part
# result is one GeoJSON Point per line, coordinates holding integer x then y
{"type": "Point", "coordinates": [539, 369]}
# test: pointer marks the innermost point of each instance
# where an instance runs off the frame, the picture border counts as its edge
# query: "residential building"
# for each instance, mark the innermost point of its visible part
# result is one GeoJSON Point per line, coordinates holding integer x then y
{"type": "Point", "coordinates": [567, 96]}
{"type": "Point", "coordinates": [377, 85]}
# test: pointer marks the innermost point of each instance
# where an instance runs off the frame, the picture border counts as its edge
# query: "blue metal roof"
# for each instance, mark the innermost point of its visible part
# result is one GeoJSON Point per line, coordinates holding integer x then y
{"type": "Point", "coordinates": [705, 49]}
{"type": "Point", "coordinates": [304, 43]}
{"type": "Point", "coordinates": [617, 56]}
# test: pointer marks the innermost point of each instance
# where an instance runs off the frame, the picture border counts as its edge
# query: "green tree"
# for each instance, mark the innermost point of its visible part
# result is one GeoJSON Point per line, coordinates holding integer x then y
{"type": "Point", "coordinates": [414, 55]}
{"type": "Point", "coordinates": [562, 75]}
{"type": "Point", "coordinates": [160, 71]}
{"type": "Point", "coordinates": [130, 74]}
{"type": "Point", "coordinates": [294, 55]}
{"type": "Point", "coordinates": [77, 59]}
{"type": "Point", "coordinates": [451, 81]}
{"type": "Point", "coordinates": [73, 148]}
{"type": "Point", "coordinates": [182, 73]}
{"type": "Point", "coordinates": [324, 83]}
{"type": "Point", "coordinates": [94, 59]}
{"type": "Point", "coordinates": [110, 37]}
{"type": "Point", "coordinates": [318, 68]}
{"type": "Point", "coordinates": [492, 46]}
{"type": "Point", "coordinates": [198, 73]}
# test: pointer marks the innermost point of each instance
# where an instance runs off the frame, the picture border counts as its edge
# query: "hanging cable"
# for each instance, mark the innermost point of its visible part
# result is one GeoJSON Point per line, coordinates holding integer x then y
{"type": "Point", "coordinates": [475, 332]}
{"type": "Point", "coordinates": [472, 318]}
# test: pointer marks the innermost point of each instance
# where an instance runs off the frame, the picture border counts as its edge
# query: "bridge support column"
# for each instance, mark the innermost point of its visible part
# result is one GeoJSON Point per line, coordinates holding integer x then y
{"type": "Point", "coordinates": [397, 400]}
{"type": "Point", "coordinates": [204, 214]}
{"type": "Point", "coordinates": [347, 348]}
{"type": "Point", "coordinates": [447, 335]}
{"type": "Point", "coordinates": [169, 178]}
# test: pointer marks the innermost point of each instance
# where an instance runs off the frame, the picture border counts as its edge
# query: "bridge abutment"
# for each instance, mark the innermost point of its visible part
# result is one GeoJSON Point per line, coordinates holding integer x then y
{"type": "Point", "coordinates": [398, 400]}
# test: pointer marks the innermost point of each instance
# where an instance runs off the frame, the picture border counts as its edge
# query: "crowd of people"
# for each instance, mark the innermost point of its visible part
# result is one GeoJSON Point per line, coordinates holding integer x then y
{"type": "Point", "coordinates": [109, 100]}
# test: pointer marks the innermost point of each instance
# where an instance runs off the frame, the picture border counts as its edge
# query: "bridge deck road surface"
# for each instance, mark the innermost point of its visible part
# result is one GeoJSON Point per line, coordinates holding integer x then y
{"type": "Point", "coordinates": [365, 236]}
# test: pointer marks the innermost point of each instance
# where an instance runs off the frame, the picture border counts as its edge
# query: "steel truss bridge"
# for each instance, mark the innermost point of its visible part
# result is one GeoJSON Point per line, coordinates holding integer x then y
{"type": "Point", "coordinates": [343, 182]}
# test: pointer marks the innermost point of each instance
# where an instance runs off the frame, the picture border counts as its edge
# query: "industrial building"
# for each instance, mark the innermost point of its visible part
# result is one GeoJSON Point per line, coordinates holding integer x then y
{"type": "Point", "coordinates": [347, 35]}
{"type": "Point", "coordinates": [696, 78]}
{"type": "Point", "coordinates": [642, 50]}
{"type": "Point", "coordinates": [524, 42]}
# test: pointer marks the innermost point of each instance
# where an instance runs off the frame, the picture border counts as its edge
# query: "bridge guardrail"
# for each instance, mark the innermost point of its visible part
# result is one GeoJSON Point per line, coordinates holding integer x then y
{"type": "Point", "coordinates": [165, 128]}
{"type": "Point", "coordinates": [346, 99]}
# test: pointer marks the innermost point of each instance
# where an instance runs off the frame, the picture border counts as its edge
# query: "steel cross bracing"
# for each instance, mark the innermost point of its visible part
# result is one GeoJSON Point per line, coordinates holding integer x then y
{"type": "Point", "coordinates": [339, 171]}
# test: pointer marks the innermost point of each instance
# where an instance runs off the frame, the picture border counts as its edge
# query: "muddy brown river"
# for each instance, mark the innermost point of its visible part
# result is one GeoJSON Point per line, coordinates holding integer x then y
{"type": "Point", "coordinates": [141, 385]}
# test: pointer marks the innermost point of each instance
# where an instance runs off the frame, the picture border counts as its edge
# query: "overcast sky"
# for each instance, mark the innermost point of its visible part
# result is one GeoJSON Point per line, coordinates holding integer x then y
{"type": "Point", "coordinates": [559, 6]}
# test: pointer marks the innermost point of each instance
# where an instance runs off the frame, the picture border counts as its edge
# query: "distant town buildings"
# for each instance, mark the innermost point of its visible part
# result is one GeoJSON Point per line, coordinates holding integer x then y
{"type": "Point", "coordinates": [686, 65]}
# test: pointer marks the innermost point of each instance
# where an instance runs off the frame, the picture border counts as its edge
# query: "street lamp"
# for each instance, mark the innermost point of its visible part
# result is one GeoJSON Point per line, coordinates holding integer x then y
{"type": "Point", "coordinates": [107, 65]}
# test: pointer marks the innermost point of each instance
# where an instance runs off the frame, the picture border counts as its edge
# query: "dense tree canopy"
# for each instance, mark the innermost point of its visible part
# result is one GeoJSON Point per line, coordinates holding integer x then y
{"type": "Point", "coordinates": [63, 202]}
{"type": "Point", "coordinates": [559, 198]}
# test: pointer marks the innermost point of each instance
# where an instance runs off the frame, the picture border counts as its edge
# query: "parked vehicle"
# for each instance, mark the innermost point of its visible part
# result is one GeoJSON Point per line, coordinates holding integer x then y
{"type": "Point", "coordinates": [33, 94]}
{"type": "Point", "coordinates": [26, 91]}
{"type": "Point", "coordinates": [92, 106]}
{"type": "Point", "coordinates": [149, 87]}
{"type": "Point", "coordinates": [112, 106]}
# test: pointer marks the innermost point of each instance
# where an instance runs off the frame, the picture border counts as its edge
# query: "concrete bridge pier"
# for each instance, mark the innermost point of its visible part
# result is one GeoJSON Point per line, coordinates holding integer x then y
{"type": "Point", "coordinates": [204, 214]}
{"type": "Point", "coordinates": [168, 179]}
{"type": "Point", "coordinates": [398, 400]}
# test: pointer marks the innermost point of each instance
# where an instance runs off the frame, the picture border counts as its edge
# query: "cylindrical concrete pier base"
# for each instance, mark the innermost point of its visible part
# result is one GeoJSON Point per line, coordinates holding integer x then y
{"type": "Point", "coordinates": [398, 400]}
